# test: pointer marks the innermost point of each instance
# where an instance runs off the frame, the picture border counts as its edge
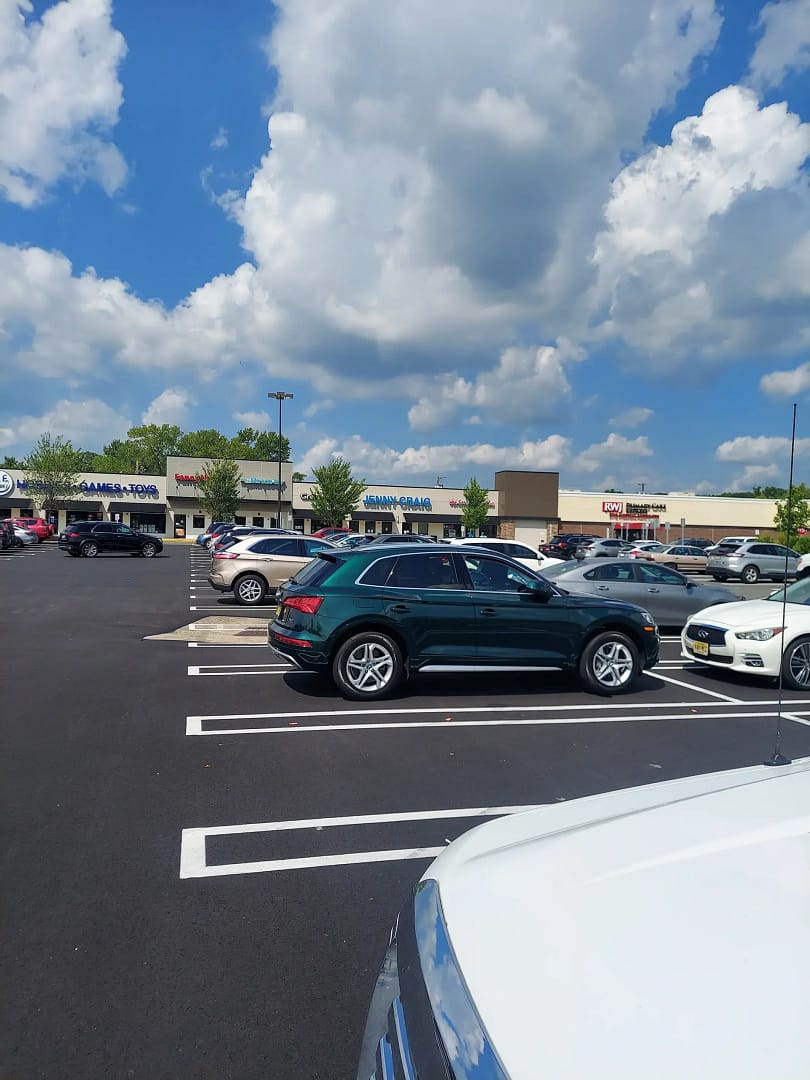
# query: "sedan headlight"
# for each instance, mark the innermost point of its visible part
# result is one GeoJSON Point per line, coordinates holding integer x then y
{"type": "Point", "coordinates": [758, 635]}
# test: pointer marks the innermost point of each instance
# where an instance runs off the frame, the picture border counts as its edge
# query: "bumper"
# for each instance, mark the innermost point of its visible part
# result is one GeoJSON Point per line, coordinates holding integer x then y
{"type": "Point", "coordinates": [749, 657]}
{"type": "Point", "coordinates": [218, 584]}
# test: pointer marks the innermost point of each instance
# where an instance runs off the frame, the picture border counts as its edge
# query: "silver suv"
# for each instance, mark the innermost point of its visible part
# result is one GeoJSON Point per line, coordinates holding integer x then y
{"type": "Point", "coordinates": [751, 561]}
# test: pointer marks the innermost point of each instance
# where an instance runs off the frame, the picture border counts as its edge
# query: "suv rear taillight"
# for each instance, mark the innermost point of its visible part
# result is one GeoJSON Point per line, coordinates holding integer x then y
{"type": "Point", "coordinates": [226, 554]}
{"type": "Point", "coordinates": [74, 536]}
{"type": "Point", "coordinates": [308, 604]}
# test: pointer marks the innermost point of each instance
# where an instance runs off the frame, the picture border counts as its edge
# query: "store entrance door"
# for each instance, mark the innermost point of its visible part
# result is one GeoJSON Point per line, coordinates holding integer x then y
{"type": "Point", "coordinates": [180, 526]}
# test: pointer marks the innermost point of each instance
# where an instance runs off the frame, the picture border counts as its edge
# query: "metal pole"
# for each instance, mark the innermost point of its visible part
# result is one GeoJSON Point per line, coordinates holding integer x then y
{"type": "Point", "coordinates": [279, 395]}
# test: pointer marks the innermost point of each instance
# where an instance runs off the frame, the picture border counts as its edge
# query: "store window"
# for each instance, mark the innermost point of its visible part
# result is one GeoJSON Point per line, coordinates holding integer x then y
{"type": "Point", "coordinates": [369, 529]}
{"type": "Point", "coordinates": [240, 519]}
{"type": "Point", "coordinates": [451, 532]}
{"type": "Point", "coordinates": [387, 527]}
{"type": "Point", "coordinates": [258, 522]}
{"type": "Point", "coordinates": [354, 526]}
{"type": "Point", "coordinates": [77, 515]}
{"type": "Point", "coordinates": [198, 521]}
{"type": "Point", "coordinates": [148, 523]}
{"type": "Point", "coordinates": [407, 528]}
{"type": "Point", "coordinates": [423, 528]}
{"type": "Point", "coordinates": [299, 524]}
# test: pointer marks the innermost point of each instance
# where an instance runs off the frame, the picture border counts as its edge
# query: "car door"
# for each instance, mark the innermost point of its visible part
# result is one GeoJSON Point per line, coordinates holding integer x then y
{"type": "Point", "coordinates": [613, 580]}
{"type": "Point", "coordinates": [664, 593]}
{"type": "Point", "coordinates": [104, 536]}
{"type": "Point", "coordinates": [278, 558]}
{"type": "Point", "coordinates": [776, 560]}
{"type": "Point", "coordinates": [514, 627]}
{"type": "Point", "coordinates": [427, 597]}
{"type": "Point", "coordinates": [125, 538]}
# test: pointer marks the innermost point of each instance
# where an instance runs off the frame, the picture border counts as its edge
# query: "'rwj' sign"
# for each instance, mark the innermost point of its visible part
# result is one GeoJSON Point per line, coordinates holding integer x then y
{"type": "Point", "coordinates": [407, 502]}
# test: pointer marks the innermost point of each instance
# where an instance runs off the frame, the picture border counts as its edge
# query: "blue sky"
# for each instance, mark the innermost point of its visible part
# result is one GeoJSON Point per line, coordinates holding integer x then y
{"type": "Point", "coordinates": [467, 237]}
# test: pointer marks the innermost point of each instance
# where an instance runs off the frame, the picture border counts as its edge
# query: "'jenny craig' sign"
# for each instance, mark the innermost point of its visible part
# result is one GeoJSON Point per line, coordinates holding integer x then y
{"type": "Point", "coordinates": [408, 502]}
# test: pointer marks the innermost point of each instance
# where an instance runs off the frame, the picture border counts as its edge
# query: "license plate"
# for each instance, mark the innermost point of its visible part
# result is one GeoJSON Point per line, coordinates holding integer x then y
{"type": "Point", "coordinates": [278, 611]}
{"type": "Point", "coordinates": [700, 648]}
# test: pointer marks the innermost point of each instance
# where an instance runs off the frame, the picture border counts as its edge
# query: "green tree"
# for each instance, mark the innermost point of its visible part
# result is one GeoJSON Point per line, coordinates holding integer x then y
{"type": "Point", "coordinates": [793, 514]}
{"type": "Point", "coordinates": [51, 471]}
{"type": "Point", "coordinates": [152, 444]}
{"type": "Point", "coordinates": [336, 492]}
{"type": "Point", "coordinates": [10, 462]}
{"type": "Point", "coordinates": [253, 445]}
{"type": "Point", "coordinates": [220, 490]}
{"type": "Point", "coordinates": [297, 477]}
{"type": "Point", "coordinates": [475, 507]}
{"type": "Point", "coordinates": [207, 443]}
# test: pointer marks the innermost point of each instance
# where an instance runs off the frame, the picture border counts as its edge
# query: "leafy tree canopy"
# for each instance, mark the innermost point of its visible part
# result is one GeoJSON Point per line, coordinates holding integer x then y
{"type": "Point", "coordinates": [51, 470]}
{"type": "Point", "coordinates": [793, 514]}
{"type": "Point", "coordinates": [220, 491]}
{"type": "Point", "coordinates": [336, 492]}
{"type": "Point", "coordinates": [475, 508]}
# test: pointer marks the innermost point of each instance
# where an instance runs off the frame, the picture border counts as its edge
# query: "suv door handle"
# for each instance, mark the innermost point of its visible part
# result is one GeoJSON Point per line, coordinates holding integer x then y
{"type": "Point", "coordinates": [652, 588]}
{"type": "Point", "coordinates": [399, 609]}
{"type": "Point", "coordinates": [489, 611]}
{"type": "Point", "coordinates": [603, 588]}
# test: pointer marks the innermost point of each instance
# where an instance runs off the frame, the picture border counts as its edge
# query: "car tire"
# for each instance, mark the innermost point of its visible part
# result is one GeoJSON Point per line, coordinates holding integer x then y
{"type": "Point", "coordinates": [719, 577]}
{"type": "Point", "coordinates": [796, 665]}
{"type": "Point", "coordinates": [609, 663]}
{"type": "Point", "coordinates": [149, 550]}
{"type": "Point", "coordinates": [89, 549]}
{"type": "Point", "coordinates": [249, 590]}
{"type": "Point", "coordinates": [671, 565]}
{"type": "Point", "coordinates": [368, 666]}
{"type": "Point", "coordinates": [73, 554]}
{"type": "Point", "coordinates": [750, 575]}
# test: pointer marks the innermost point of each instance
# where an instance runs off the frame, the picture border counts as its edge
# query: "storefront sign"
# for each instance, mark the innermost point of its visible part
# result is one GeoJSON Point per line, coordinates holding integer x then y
{"type": "Point", "coordinates": [612, 507]}
{"type": "Point", "coordinates": [646, 508]}
{"type": "Point", "coordinates": [6, 484]}
{"type": "Point", "coordinates": [461, 505]}
{"type": "Point", "coordinates": [256, 481]}
{"type": "Point", "coordinates": [405, 501]}
{"type": "Point", "coordinates": [189, 478]}
{"type": "Point", "coordinates": [102, 487]}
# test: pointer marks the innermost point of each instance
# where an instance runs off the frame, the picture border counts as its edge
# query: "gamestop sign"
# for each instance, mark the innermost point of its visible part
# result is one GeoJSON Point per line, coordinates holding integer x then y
{"type": "Point", "coordinates": [612, 507]}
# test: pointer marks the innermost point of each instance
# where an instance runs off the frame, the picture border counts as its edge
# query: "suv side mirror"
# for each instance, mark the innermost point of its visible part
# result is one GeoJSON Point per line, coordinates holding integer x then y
{"type": "Point", "coordinates": [541, 590]}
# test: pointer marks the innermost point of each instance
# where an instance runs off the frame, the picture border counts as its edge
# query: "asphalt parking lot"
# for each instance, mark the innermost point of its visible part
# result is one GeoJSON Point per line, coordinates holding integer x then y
{"type": "Point", "coordinates": [204, 850]}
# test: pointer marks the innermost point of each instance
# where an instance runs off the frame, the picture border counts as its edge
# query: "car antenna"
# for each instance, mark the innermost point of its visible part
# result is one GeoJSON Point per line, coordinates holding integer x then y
{"type": "Point", "coordinates": [777, 757]}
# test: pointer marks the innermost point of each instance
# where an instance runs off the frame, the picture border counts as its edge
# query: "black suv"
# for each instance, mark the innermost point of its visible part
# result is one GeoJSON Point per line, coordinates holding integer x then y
{"type": "Point", "coordinates": [90, 538]}
{"type": "Point", "coordinates": [564, 545]}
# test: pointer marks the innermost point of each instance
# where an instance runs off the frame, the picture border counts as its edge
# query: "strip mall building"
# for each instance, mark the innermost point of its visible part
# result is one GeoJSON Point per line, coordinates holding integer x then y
{"type": "Point", "coordinates": [527, 506]}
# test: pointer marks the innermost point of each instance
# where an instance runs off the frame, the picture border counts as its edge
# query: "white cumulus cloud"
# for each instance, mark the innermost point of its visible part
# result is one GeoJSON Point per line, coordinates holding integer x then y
{"type": "Point", "coordinates": [786, 383]}
{"type": "Point", "coordinates": [88, 423]}
{"type": "Point", "coordinates": [258, 420]}
{"type": "Point", "coordinates": [172, 406]}
{"type": "Point", "coordinates": [785, 42]}
{"type": "Point", "coordinates": [635, 416]}
{"type": "Point", "coordinates": [615, 447]}
{"type": "Point", "coordinates": [60, 97]}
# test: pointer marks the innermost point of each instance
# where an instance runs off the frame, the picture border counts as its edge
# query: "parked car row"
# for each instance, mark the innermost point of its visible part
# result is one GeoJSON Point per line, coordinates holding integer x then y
{"type": "Point", "coordinates": [13, 535]}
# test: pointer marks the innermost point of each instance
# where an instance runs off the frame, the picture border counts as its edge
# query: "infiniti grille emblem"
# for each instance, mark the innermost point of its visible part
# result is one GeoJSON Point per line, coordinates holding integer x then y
{"type": "Point", "coordinates": [703, 634]}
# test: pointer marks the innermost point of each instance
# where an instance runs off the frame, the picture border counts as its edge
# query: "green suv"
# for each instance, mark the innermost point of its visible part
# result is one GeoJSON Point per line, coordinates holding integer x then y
{"type": "Point", "coordinates": [373, 615]}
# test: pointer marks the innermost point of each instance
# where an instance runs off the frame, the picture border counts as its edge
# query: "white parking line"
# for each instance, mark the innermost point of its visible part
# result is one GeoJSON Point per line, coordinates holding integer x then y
{"type": "Point", "coordinates": [655, 674]}
{"type": "Point", "coordinates": [246, 669]}
{"type": "Point", "coordinates": [193, 863]}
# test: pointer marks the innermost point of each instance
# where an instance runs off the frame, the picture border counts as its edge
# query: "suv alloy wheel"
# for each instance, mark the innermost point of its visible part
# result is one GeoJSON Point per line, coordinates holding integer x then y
{"type": "Point", "coordinates": [750, 575]}
{"type": "Point", "coordinates": [249, 589]}
{"type": "Point", "coordinates": [149, 550]}
{"type": "Point", "coordinates": [367, 666]}
{"type": "Point", "coordinates": [609, 663]}
{"type": "Point", "coordinates": [89, 549]}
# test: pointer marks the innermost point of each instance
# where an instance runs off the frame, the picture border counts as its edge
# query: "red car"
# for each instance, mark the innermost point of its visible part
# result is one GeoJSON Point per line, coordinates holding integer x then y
{"type": "Point", "coordinates": [331, 530]}
{"type": "Point", "coordinates": [38, 526]}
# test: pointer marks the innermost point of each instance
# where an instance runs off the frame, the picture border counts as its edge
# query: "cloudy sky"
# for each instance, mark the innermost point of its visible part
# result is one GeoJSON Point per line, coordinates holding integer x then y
{"type": "Point", "coordinates": [566, 234]}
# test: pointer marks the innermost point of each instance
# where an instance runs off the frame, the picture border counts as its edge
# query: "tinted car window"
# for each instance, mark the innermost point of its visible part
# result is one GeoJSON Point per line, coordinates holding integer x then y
{"type": "Point", "coordinates": [312, 546]}
{"type": "Point", "coordinates": [492, 575]}
{"type": "Point", "coordinates": [273, 545]}
{"type": "Point", "coordinates": [610, 573]}
{"type": "Point", "coordinates": [431, 570]}
{"type": "Point", "coordinates": [379, 572]}
{"type": "Point", "coordinates": [760, 549]}
{"type": "Point", "coordinates": [651, 574]}
{"type": "Point", "coordinates": [315, 573]}
{"type": "Point", "coordinates": [103, 527]}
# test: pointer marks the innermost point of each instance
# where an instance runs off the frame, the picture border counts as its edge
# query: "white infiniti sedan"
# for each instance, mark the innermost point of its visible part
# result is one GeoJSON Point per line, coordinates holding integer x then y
{"type": "Point", "coordinates": [747, 636]}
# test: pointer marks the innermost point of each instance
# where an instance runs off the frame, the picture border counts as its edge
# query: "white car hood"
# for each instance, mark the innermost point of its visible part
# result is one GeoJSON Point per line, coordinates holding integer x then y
{"type": "Point", "coordinates": [753, 613]}
{"type": "Point", "coordinates": [659, 931]}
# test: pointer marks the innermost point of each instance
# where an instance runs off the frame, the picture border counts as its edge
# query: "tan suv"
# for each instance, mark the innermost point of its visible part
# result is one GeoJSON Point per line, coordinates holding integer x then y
{"type": "Point", "coordinates": [258, 564]}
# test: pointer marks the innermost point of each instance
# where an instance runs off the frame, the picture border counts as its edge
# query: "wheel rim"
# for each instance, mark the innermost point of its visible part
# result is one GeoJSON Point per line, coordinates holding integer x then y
{"type": "Point", "coordinates": [800, 664]}
{"type": "Point", "coordinates": [750, 576]}
{"type": "Point", "coordinates": [369, 666]}
{"type": "Point", "coordinates": [90, 550]}
{"type": "Point", "coordinates": [612, 664]}
{"type": "Point", "coordinates": [250, 590]}
{"type": "Point", "coordinates": [148, 551]}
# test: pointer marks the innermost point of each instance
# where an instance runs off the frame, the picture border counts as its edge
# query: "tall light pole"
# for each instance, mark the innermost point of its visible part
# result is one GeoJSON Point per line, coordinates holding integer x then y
{"type": "Point", "coordinates": [279, 395]}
